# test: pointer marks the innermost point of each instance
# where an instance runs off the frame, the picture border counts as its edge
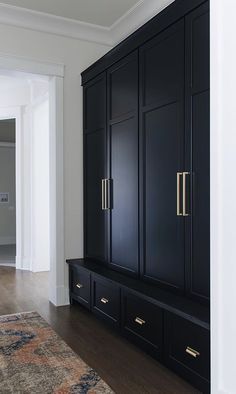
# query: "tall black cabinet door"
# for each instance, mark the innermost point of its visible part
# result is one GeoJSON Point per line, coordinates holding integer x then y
{"type": "Point", "coordinates": [162, 153]}
{"type": "Point", "coordinates": [95, 244]}
{"type": "Point", "coordinates": [198, 152]}
{"type": "Point", "coordinates": [123, 164]}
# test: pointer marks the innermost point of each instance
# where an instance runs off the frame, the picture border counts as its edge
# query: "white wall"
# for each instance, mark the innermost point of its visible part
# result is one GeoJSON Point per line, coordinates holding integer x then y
{"type": "Point", "coordinates": [7, 184]}
{"type": "Point", "coordinates": [223, 195]}
{"type": "Point", "coordinates": [76, 55]}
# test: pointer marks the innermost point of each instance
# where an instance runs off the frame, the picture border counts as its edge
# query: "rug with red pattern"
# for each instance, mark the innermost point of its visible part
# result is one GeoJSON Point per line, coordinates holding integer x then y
{"type": "Point", "coordinates": [33, 359]}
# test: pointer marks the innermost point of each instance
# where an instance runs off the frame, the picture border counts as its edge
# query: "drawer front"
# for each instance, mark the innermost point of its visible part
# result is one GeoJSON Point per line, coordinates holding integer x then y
{"type": "Point", "coordinates": [143, 322]}
{"type": "Point", "coordinates": [187, 349]}
{"type": "Point", "coordinates": [106, 300]}
{"type": "Point", "coordinates": [80, 285]}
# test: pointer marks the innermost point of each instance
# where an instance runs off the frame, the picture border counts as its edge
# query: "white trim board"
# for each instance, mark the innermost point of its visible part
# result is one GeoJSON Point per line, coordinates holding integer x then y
{"type": "Point", "coordinates": [135, 17]}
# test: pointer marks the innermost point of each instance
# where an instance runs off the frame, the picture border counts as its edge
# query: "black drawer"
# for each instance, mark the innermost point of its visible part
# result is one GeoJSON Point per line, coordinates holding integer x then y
{"type": "Point", "coordinates": [80, 286]}
{"type": "Point", "coordinates": [187, 350]}
{"type": "Point", "coordinates": [106, 300]}
{"type": "Point", "coordinates": [143, 323]}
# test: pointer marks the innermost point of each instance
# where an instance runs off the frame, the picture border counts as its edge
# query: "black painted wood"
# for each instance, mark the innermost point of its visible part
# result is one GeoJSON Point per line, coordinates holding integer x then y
{"type": "Point", "coordinates": [181, 335]}
{"type": "Point", "coordinates": [180, 305]}
{"type": "Point", "coordinates": [95, 146]}
{"type": "Point", "coordinates": [142, 323]}
{"type": "Point", "coordinates": [164, 19]}
{"type": "Point", "coordinates": [106, 300]}
{"type": "Point", "coordinates": [198, 152]}
{"type": "Point", "coordinates": [80, 286]}
{"type": "Point", "coordinates": [123, 164]}
{"type": "Point", "coordinates": [162, 150]}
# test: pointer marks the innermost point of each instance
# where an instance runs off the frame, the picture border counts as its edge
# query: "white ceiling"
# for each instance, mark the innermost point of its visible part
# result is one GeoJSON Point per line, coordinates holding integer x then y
{"type": "Point", "coordinates": [98, 12]}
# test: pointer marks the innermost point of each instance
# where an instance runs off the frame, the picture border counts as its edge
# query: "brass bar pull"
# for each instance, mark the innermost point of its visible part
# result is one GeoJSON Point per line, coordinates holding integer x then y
{"type": "Point", "coordinates": [108, 205]}
{"type": "Point", "coordinates": [192, 352]}
{"type": "Point", "coordinates": [179, 213]}
{"type": "Point", "coordinates": [79, 286]}
{"type": "Point", "coordinates": [184, 193]}
{"type": "Point", "coordinates": [103, 194]}
{"type": "Point", "coordinates": [104, 300]}
{"type": "Point", "coordinates": [139, 321]}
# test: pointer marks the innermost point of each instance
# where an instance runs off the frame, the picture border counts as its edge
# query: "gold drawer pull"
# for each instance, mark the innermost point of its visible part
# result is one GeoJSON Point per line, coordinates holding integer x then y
{"type": "Point", "coordinates": [104, 300]}
{"type": "Point", "coordinates": [192, 352]}
{"type": "Point", "coordinates": [79, 286]}
{"type": "Point", "coordinates": [139, 321]}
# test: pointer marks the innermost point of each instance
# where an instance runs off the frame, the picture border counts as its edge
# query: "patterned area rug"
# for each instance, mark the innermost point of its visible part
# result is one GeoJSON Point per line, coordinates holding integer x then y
{"type": "Point", "coordinates": [33, 359]}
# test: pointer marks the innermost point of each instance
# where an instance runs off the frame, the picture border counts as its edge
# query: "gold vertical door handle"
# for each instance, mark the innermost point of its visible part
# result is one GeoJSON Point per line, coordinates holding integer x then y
{"type": "Point", "coordinates": [179, 213]}
{"type": "Point", "coordinates": [103, 194]}
{"type": "Point", "coordinates": [184, 193]}
{"type": "Point", "coordinates": [108, 205]}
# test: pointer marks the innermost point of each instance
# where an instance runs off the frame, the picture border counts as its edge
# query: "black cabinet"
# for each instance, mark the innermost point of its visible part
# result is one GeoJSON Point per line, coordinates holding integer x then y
{"type": "Point", "coordinates": [106, 300]}
{"type": "Point", "coordinates": [187, 350]}
{"type": "Point", "coordinates": [142, 322]}
{"type": "Point", "coordinates": [162, 150]}
{"type": "Point", "coordinates": [80, 286]}
{"type": "Point", "coordinates": [141, 312]}
{"type": "Point", "coordinates": [147, 189]}
{"type": "Point", "coordinates": [95, 169]}
{"type": "Point", "coordinates": [198, 152]}
{"type": "Point", "coordinates": [123, 164]}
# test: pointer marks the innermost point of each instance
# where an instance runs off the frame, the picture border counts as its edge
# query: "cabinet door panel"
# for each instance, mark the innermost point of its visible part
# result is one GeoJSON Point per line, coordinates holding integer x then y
{"type": "Point", "coordinates": [95, 168]}
{"type": "Point", "coordinates": [95, 153]}
{"type": "Point", "coordinates": [123, 164]}
{"type": "Point", "coordinates": [123, 84]}
{"type": "Point", "coordinates": [124, 214]}
{"type": "Point", "coordinates": [162, 153]}
{"type": "Point", "coordinates": [198, 152]}
{"type": "Point", "coordinates": [164, 255]}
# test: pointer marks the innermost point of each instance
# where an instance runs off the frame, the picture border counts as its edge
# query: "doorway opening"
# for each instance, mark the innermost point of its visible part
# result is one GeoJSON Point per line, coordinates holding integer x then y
{"type": "Point", "coordinates": [7, 192]}
{"type": "Point", "coordinates": [39, 208]}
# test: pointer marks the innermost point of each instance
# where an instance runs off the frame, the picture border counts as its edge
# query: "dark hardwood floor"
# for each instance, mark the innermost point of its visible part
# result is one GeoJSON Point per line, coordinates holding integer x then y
{"type": "Point", "coordinates": [123, 366]}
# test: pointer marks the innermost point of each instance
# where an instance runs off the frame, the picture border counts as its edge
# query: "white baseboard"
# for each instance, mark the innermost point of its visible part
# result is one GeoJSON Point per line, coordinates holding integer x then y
{"type": "Point", "coordinates": [7, 240]}
{"type": "Point", "coordinates": [61, 298]}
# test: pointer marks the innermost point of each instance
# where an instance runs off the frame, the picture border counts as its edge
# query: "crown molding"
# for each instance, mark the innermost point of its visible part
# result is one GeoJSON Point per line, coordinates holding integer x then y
{"type": "Point", "coordinates": [34, 20]}
{"type": "Point", "coordinates": [40, 21]}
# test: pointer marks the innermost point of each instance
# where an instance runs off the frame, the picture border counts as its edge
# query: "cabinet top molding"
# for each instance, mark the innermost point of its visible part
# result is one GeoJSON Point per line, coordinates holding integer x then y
{"type": "Point", "coordinates": [176, 10]}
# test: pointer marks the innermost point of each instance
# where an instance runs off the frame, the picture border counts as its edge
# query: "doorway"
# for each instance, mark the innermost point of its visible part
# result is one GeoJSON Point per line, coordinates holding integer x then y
{"type": "Point", "coordinates": [58, 288]}
{"type": "Point", "coordinates": [7, 193]}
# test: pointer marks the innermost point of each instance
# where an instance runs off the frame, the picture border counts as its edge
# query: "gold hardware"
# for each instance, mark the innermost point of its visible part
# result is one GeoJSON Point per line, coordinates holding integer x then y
{"type": "Point", "coordinates": [103, 196]}
{"type": "Point", "coordinates": [184, 193]}
{"type": "Point", "coordinates": [79, 286]}
{"type": "Point", "coordinates": [179, 174]}
{"type": "Point", "coordinates": [139, 321]}
{"type": "Point", "coordinates": [192, 352]}
{"type": "Point", "coordinates": [104, 300]}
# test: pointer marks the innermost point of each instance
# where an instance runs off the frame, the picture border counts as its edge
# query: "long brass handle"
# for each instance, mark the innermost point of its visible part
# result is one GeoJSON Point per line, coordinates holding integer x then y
{"type": "Point", "coordinates": [139, 321]}
{"type": "Point", "coordinates": [184, 194]}
{"type": "Point", "coordinates": [108, 205]}
{"type": "Point", "coordinates": [79, 286]}
{"type": "Point", "coordinates": [103, 194]}
{"type": "Point", "coordinates": [192, 352]}
{"type": "Point", "coordinates": [179, 174]}
{"type": "Point", "coordinates": [104, 300]}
